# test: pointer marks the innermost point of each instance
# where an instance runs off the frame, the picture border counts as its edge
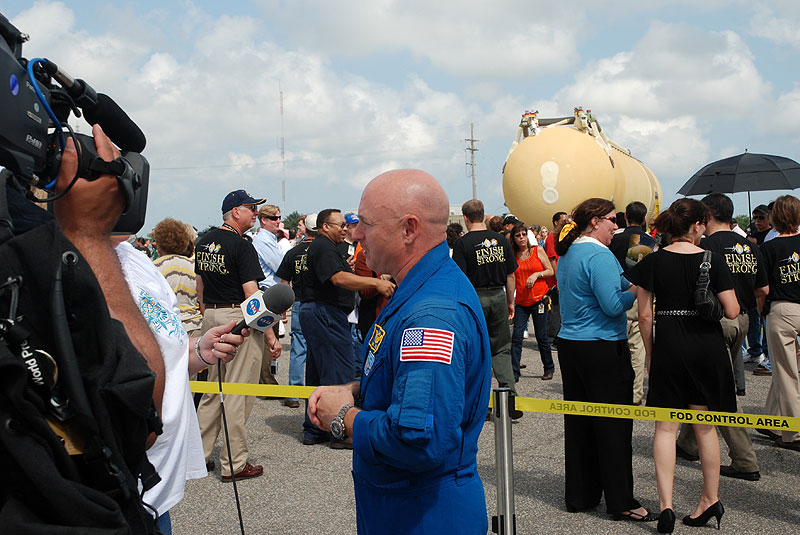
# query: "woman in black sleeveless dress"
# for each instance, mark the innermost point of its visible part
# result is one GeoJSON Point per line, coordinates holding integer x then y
{"type": "Point", "coordinates": [688, 363]}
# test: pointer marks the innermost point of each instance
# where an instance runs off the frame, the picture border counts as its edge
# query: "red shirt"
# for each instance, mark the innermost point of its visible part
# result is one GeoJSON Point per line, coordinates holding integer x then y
{"type": "Point", "coordinates": [529, 296]}
{"type": "Point", "coordinates": [550, 251]}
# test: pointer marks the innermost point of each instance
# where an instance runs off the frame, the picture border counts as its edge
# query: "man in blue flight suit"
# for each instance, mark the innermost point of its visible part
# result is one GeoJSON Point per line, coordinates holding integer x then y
{"type": "Point", "coordinates": [424, 393]}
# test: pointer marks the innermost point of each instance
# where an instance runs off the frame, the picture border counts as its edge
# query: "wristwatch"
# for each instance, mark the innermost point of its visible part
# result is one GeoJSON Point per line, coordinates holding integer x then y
{"type": "Point", "coordinates": [337, 424]}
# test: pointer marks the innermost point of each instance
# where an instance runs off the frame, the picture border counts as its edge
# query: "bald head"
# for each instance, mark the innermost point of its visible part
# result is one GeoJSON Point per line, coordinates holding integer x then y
{"type": "Point", "coordinates": [411, 191]}
{"type": "Point", "coordinates": [412, 210]}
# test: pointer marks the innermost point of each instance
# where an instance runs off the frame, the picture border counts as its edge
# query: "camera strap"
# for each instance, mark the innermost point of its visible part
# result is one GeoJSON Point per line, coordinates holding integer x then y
{"type": "Point", "coordinates": [6, 225]}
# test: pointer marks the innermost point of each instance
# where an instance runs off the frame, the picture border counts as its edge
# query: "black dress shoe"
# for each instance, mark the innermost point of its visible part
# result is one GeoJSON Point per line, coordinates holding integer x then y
{"type": "Point", "coordinates": [683, 454]}
{"type": "Point", "coordinates": [741, 392]}
{"type": "Point", "coordinates": [768, 433]}
{"type": "Point", "coordinates": [788, 445]}
{"type": "Point", "coordinates": [729, 471]}
{"type": "Point", "coordinates": [319, 439]}
{"type": "Point", "coordinates": [210, 465]}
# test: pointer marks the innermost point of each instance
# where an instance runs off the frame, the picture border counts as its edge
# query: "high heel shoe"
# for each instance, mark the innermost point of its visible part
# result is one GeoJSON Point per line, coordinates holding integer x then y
{"type": "Point", "coordinates": [666, 521]}
{"type": "Point", "coordinates": [716, 510]}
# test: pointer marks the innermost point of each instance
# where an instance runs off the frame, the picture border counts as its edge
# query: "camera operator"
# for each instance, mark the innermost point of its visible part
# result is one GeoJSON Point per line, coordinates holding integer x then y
{"type": "Point", "coordinates": [87, 215]}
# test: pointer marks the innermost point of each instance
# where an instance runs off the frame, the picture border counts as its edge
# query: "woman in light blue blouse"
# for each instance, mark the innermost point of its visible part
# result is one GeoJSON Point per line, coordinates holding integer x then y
{"type": "Point", "coordinates": [595, 363]}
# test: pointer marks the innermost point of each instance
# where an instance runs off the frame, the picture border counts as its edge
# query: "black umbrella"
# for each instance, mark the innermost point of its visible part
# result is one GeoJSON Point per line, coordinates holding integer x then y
{"type": "Point", "coordinates": [745, 172]}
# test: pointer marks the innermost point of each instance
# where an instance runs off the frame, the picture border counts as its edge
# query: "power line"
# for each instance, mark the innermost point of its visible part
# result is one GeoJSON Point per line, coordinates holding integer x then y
{"type": "Point", "coordinates": [294, 160]}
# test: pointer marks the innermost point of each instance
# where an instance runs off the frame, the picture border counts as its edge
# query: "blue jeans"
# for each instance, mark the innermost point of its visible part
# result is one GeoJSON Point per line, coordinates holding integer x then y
{"type": "Point", "coordinates": [164, 524]}
{"type": "Point", "coordinates": [358, 350]}
{"type": "Point", "coordinates": [521, 314]}
{"type": "Point", "coordinates": [757, 337]}
{"type": "Point", "coordinates": [297, 350]}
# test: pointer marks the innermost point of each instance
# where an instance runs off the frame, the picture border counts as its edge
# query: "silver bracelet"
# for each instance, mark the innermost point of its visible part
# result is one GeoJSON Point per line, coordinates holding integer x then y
{"type": "Point", "coordinates": [197, 352]}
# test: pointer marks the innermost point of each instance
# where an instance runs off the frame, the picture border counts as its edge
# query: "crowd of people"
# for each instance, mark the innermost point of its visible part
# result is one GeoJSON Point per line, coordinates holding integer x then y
{"type": "Point", "coordinates": [610, 298]}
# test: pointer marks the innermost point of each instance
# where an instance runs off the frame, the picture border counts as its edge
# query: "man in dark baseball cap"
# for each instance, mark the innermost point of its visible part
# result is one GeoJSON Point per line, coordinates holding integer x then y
{"type": "Point", "coordinates": [239, 198]}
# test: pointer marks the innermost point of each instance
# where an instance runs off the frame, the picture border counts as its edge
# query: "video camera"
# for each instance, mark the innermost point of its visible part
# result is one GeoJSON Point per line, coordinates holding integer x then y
{"type": "Point", "coordinates": [33, 119]}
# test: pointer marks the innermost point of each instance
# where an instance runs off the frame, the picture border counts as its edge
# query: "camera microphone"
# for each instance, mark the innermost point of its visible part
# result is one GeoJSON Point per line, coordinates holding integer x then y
{"type": "Point", "coordinates": [99, 108]}
{"type": "Point", "coordinates": [116, 123]}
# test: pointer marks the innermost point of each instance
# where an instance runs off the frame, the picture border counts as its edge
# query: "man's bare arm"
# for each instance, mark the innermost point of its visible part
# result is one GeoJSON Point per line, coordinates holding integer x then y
{"type": "Point", "coordinates": [87, 215]}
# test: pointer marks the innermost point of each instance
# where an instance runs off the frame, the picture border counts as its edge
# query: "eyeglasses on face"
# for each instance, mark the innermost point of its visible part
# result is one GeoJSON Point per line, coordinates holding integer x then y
{"type": "Point", "coordinates": [251, 207]}
{"type": "Point", "coordinates": [759, 217]}
{"type": "Point", "coordinates": [335, 224]}
{"type": "Point", "coordinates": [271, 217]}
{"type": "Point", "coordinates": [611, 218]}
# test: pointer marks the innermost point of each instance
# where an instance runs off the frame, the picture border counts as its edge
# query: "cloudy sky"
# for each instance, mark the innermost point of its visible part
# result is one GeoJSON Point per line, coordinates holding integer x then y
{"type": "Point", "coordinates": [372, 86]}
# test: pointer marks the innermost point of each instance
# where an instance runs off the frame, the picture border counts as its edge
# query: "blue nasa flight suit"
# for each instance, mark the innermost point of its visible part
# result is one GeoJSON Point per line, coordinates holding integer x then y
{"type": "Point", "coordinates": [416, 439]}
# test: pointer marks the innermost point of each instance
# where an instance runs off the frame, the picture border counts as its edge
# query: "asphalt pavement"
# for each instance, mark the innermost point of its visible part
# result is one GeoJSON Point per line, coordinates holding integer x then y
{"type": "Point", "coordinates": [309, 489]}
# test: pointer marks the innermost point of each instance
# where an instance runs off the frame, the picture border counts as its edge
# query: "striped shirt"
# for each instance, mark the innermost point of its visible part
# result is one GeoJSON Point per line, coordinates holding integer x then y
{"type": "Point", "coordinates": [179, 272]}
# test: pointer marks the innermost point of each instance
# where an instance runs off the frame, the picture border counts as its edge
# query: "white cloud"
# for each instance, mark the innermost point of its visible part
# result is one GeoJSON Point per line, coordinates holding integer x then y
{"type": "Point", "coordinates": [675, 146]}
{"type": "Point", "coordinates": [777, 21]}
{"type": "Point", "coordinates": [501, 40]}
{"type": "Point", "coordinates": [675, 69]}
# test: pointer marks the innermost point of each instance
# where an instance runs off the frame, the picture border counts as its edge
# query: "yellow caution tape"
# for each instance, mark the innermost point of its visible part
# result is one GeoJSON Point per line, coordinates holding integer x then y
{"type": "Point", "coordinates": [244, 389]}
{"type": "Point", "coordinates": [578, 408]}
{"type": "Point", "coordinates": [636, 412]}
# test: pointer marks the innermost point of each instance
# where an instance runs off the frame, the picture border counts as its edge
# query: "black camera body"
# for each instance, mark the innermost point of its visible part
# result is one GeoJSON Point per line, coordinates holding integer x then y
{"type": "Point", "coordinates": [30, 145]}
{"type": "Point", "coordinates": [23, 136]}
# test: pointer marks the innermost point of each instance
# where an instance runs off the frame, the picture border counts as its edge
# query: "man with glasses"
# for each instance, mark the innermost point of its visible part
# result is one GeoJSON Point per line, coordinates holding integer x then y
{"type": "Point", "coordinates": [328, 288]}
{"type": "Point", "coordinates": [270, 256]}
{"type": "Point", "coordinates": [227, 272]}
{"type": "Point", "coordinates": [757, 351]}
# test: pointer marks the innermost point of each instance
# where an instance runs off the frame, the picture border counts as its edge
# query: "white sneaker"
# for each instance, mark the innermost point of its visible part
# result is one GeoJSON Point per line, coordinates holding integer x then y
{"type": "Point", "coordinates": [756, 360]}
{"type": "Point", "coordinates": [525, 334]}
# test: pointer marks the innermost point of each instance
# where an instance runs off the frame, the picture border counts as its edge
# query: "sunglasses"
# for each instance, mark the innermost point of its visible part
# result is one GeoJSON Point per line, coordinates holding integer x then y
{"type": "Point", "coordinates": [613, 219]}
{"type": "Point", "coordinates": [271, 217]}
{"type": "Point", "coordinates": [251, 207]}
{"type": "Point", "coordinates": [340, 225]}
{"type": "Point", "coordinates": [759, 217]}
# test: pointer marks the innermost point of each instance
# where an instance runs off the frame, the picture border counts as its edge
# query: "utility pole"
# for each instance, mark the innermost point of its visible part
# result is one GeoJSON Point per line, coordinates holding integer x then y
{"type": "Point", "coordinates": [472, 150]}
{"type": "Point", "coordinates": [283, 158]}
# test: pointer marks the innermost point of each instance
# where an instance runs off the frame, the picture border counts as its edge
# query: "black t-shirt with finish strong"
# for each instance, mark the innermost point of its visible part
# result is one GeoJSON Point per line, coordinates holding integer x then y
{"type": "Point", "coordinates": [324, 261]}
{"type": "Point", "coordinates": [225, 261]}
{"type": "Point", "coordinates": [744, 261]}
{"type": "Point", "coordinates": [293, 264]}
{"type": "Point", "coordinates": [485, 257]}
{"type": "Point", "coordinates": [782, 262]}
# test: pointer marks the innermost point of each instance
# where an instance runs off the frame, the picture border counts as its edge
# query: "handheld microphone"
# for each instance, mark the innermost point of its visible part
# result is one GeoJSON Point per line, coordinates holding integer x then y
{"type": "Point", "coordinates": [262, 309]}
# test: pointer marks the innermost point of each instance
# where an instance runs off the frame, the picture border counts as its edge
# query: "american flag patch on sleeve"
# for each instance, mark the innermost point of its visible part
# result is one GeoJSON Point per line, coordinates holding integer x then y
{"type": "Point", "coordinates": [426, 345]}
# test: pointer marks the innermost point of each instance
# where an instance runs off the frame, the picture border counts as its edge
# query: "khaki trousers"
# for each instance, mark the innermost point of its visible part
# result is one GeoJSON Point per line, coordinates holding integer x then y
{"type": "Point", "coordinates": [266, 377]}
{"type": "Point", "coordinates": [244, 368]}
{"type": "Point", "coordinates": [783, 326]}
{"type": "Point", "coordinates": [636, 347]}
{"type": "Point", "coordinates": [740, 447]}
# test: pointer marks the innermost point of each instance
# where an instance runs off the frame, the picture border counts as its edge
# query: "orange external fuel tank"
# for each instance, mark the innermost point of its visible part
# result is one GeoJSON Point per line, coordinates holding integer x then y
{"type": "Point", "coordinates": [560, 162]}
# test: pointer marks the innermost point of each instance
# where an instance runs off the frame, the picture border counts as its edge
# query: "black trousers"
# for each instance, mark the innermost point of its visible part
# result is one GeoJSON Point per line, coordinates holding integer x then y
{"type": "Point", "coordinates": [597, 451]}
{"type": "Point", "coordinates": [330, 351]}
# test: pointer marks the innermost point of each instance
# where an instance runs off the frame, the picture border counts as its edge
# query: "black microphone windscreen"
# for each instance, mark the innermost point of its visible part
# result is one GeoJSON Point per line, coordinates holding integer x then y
{"type": "Point", "coordinates": [116, 124]}
{"type": "Point", "coordinates": [278, 298]}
